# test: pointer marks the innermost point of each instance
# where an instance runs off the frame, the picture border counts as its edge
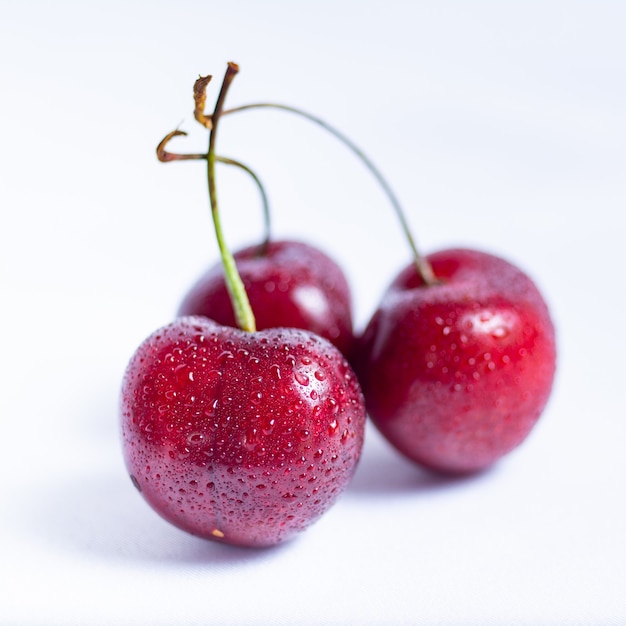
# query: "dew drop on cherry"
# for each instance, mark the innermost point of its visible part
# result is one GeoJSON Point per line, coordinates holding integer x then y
{"type": "Point", "coordinates": [301, 378]}
{"type": "Point", "coordinates": [184, 374]}
{"type": "Point", "coordinates": [320, 375]}
{"type": "Point", "coordinates": [275, 370]}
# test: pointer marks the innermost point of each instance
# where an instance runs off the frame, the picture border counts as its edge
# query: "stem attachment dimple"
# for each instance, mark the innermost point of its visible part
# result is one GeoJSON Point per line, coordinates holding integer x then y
{"type": "Point", "coordinates": [239, 298]}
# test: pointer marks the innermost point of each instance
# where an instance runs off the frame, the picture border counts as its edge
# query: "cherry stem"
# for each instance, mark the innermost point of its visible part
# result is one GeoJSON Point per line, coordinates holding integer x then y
{"type": "Point", "coordinates": [266, 205]}
{"type": "Point", "coordinates": [423, 267]}
{"type": "Point", "coordinates": [238, 296]}
{"type": "Point", "coordinates": [166, 157]}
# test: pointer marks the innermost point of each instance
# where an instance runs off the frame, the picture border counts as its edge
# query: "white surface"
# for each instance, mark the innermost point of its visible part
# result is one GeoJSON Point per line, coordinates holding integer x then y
{"type": "Point", "coordinates": [500, 125]}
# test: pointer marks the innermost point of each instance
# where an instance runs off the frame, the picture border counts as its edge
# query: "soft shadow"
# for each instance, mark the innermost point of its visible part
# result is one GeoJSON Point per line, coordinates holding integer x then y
{"type": "Point", "coordinates": [384, 471]}
{"type": "Point", "coordinates": [103, 515]}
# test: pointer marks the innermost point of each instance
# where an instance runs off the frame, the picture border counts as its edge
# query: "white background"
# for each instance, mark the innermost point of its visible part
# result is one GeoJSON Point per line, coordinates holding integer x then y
{"type": "Point", "coordinates": [501, 125]}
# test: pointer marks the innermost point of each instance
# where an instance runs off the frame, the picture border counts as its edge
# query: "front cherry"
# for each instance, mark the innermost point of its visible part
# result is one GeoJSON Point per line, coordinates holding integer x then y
{"type": "Point", "coordinates": [457, 372]}
{"type": "Point", "coordinates": [233, 434]}
{"type": "Point", "coordinates": [289, 284]}
{"type": "Point", "coordinates": [244, 438]}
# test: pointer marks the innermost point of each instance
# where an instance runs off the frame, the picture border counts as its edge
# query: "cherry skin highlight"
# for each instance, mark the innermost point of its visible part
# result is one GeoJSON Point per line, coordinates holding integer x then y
{"type": "Point", "coordinates": [289, 284]}
{"type": "Point", "coordinates": [238, 437]}
{"type": "Point", "coordinates": [457, 373]}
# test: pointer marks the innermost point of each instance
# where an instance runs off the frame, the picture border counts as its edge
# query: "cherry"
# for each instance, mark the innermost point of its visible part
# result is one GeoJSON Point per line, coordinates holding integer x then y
{"type": "Point", "coordinates": [244, 438]}
{"type": "Point", "coordinates": [289, 284]}
{"type": "Point", "coordinates": [458, 361]}
{"type": "Point", "coordinates": [240, 436]}
{"type": "Point", "coordinates": [457, 371]}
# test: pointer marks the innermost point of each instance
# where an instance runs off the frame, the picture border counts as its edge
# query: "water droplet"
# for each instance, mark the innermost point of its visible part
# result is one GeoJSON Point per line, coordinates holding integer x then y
{"type": "Point", "coordinates": [332, 427]}
{"type": "Point", "coordinates": [209, 411]}
{"type": "Point", "coordinates": [184, 374]}
{"type": "Point", "coordinates": [333, 405]}
{"type": "Point", "coordinates": [320, 375]}
{"type": "Point", "coordinates": [306, 360]}
{"type": "Point", "coordinates": [301, 378]}
{"type": "Point", "coordinates": [304, 434]}
{"type": "Point", "coordinates": [226, 355]}
{"type": "Point", "coordinates": [268, 427]}
{"type": "Point", "coordinates": [313, 395]}
{"type": "Point", "coordinates": [195, 439]}
{"type": "Point", "coordinates": [275, 369]}
{"type": "Point", "coordinates": [251, 439]}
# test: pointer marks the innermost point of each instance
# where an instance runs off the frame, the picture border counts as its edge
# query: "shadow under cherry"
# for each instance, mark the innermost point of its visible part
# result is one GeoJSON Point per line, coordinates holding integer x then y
{"type": "Point", "coordinates": [383, 471]}
{"type": "Point", "coordinates": [102, 515]}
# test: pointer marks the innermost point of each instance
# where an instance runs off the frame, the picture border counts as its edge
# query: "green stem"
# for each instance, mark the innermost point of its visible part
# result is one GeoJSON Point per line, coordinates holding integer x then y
{"type": "Point", "coordinates": [266, 205]}
{"type": "Point", "coordinates": [423, 267]}
{"type": "Point", "coordinates": [239, 298]}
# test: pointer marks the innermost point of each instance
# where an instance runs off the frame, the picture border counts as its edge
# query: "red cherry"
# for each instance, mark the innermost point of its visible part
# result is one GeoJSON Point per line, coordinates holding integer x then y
{"type": "Point", "coordinates": [244, 438]}
{"type": "Point", "coordinates": [456, 374]}
{"type": "Point", "coordinates": [289, 284]}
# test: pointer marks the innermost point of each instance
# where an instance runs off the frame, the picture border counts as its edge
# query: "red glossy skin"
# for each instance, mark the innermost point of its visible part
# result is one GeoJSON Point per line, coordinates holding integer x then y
{"type": "Point", "coordinates": [455, 375]}
{"type": "Point", "coordinates": [290, 285]}
{"type": "Point", "coordinates": [243, 438]}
